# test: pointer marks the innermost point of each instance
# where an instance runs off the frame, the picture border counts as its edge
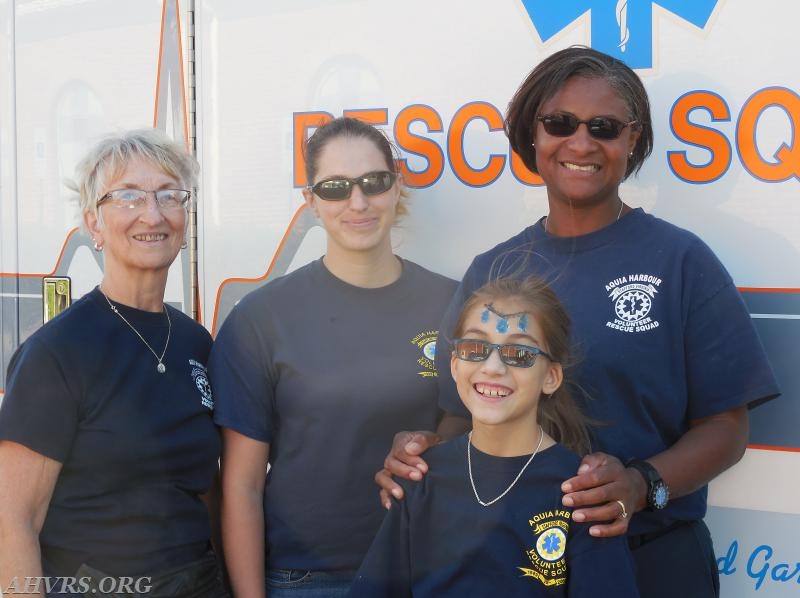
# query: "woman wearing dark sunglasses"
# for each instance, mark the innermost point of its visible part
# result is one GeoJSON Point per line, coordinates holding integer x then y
{"type": "Point", "coordinates": [315, 373]}
{"type": "Point", "coordinates": [671, 360]}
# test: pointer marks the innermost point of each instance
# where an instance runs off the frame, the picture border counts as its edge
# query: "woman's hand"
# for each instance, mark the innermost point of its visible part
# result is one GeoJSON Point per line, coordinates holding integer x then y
{"type": "Point", "coordinates": [404, 461]}
{"type": "Point", "coordinates": [596, 492]}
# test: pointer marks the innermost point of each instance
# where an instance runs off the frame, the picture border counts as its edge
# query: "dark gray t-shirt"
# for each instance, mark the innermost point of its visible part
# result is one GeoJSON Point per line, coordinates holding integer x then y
{"type": "Point", "coordinates": [327, 373]}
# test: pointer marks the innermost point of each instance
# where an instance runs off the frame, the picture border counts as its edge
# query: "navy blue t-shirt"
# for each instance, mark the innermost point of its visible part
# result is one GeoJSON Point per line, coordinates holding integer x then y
{"type": "Point", "coordinates": [327, 373]}
{"type": "Point", "coordinates": [441, 542]}
{"type": "Point", "coordinates": [661, 335]}
{"type": "Point", "coordinates": [138, 447]}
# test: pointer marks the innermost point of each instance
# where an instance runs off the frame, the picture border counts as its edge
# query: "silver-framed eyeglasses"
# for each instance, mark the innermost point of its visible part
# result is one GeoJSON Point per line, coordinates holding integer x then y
{"type": "Point", "coordinates": [132, 199]}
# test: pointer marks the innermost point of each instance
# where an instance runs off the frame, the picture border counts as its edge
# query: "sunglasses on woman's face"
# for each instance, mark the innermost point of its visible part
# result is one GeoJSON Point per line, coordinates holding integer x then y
{"type": "Point", "coordinates": [339, 188]}
{"type": "Point", "coordinates": [562, 124]}
{"type": "Point", "coordinates": [518, 356]}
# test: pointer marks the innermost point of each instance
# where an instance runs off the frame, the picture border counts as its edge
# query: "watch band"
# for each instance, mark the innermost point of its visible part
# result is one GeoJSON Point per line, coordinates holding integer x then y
{"type": "Point", "coordinates": [657, 490]}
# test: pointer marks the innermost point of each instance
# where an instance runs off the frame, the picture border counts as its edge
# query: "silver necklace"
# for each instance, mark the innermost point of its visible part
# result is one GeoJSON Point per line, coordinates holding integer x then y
{"type": "Point", "coordinates": [516, 479]}
{"type": "Point", "coordinates": [621, 206]}
{"type": "Point", "coordinates": [160, 368]}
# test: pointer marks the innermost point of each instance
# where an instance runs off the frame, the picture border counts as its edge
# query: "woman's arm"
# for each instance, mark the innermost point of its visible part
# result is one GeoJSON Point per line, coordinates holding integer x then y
{"type": "Point", "coordinates": [212, 499]}
{"type": "Point", "coordinates": [244, 472]}
{"type": "Point", "coordinates": [27, 480]}
{"type": "Point", "coordinates": [709, 447]}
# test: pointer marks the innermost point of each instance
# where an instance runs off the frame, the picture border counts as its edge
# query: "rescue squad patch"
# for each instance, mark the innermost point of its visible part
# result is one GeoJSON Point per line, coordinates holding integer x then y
{"type": "Point", "coordinates": [632, 297]}
{"type": "Point", "coordinates": [425, 341]}
{"type": "Point", "coordinates": [547, 557]}
{"type": "Point", "coordinates": [200, 377]}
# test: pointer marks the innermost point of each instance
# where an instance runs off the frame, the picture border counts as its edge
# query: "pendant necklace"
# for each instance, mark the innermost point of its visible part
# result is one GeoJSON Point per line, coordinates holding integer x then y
{"type": "Point", "coordinates": [160, 368]}
{"type": "Point", "coordinates": [516, 479]}
{"type": "Point", "coordinates": [621, 207]}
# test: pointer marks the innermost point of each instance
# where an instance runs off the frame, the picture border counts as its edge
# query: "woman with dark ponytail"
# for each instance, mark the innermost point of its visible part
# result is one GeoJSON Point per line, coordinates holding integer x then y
{"type": "Point", "coordinates": [316, 371]}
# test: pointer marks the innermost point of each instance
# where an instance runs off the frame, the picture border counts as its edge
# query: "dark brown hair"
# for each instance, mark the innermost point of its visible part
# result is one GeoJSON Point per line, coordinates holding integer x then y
{"type": "Point", "coordinates": [351, 127]}
{"type": "Point", "coordinates": [549, 76]}
{"type": "Point", "coordinates": [558, 414]}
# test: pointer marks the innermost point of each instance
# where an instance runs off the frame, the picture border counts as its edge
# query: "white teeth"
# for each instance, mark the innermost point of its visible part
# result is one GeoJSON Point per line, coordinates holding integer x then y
{"type": "Point", "coordinates": [586, 168]}
{"type": "Point", "coordinates": [156, 237]}
{"type": "Point", "coordinates": [490, 391]}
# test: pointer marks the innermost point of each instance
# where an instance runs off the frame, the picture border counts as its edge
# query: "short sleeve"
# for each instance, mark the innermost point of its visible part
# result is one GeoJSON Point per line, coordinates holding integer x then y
{"type": "Point", "coordinates": [39, 410]}
{"type": "Point", "coordinates": [726, 365]}
{"type": "Point", "coordinates": [386, 569]}
{"type": "Point", "coordinates": [242, 387]}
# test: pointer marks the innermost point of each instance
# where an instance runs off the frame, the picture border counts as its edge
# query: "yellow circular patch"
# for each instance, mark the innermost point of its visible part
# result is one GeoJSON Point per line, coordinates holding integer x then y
{"type": "Point", "coordinates": [551, 544]}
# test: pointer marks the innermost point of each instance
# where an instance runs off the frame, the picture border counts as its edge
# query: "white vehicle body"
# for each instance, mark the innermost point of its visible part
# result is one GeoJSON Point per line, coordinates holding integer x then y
{"type": "Point", "coordinates": [243, 81]}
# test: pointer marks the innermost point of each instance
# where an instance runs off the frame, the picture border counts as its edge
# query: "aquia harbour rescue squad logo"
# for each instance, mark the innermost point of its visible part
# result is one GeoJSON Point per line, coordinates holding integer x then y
{"type": "Point", "coordinates": [633, 296]}
{"type": "Point", "coordinates": [425, 341]}
{"type": "Point", "coordinates": [547, 557]}
{"type": "Point", "coordinates": [200, 378]}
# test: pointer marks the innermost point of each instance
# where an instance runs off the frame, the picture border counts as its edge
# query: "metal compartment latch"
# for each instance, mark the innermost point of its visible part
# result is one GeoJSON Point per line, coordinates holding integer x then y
{"type": "Point", "coordinates": [56, 296]}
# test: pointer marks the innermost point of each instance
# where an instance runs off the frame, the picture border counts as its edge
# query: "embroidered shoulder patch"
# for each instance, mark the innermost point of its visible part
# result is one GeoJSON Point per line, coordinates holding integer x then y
{"type": "Point", "coordinates": [547, 557]}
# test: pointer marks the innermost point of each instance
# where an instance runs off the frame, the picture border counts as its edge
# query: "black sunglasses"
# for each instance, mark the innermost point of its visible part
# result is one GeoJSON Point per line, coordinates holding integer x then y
{"type": "Point", "coordinates": [561, 124]}
{"type": "Point", "coordinates": [518, 356]}
{"type": "Point", "coordinates": [338, 188]}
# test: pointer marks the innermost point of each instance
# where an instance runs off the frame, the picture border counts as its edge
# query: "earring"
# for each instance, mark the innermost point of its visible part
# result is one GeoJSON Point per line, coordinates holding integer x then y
{"type": "Point", "coordinates": [185, 244]}
{"type": "Point", "coordinates": [97, 247]}
{"type": "Point", "coordinates": [630, 155]}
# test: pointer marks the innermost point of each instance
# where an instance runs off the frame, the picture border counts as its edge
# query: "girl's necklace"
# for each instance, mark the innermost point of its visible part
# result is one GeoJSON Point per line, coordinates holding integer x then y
{"type": "Point", "coordinates": [516, 479]}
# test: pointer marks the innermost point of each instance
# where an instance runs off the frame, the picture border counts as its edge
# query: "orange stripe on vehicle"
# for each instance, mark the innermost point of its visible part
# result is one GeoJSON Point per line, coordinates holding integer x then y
{"type": "Point", "coordinates": [781, 449]}
{"type": "Point", "coordinates": [183, 81]}
{"type": "Point", "coordinates": [55, 268]}
{"type": "Point", "coordinates": [269, 269]}
{"type": "Point", "coordinates": [158, 65]}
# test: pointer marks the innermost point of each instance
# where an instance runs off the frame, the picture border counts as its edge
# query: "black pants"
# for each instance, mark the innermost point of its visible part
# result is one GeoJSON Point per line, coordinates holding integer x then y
{"type": "Point", "coordinates": [199, 579]}
{"type": "Point", "coordinates": [678, 563]}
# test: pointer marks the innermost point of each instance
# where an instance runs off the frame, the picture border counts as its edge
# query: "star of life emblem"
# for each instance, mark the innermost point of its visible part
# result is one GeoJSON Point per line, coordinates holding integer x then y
{"type": "Point", "coordinates": [632, 297]}
{"type": "Point", "coordinates": [548, 561]}
{"type": "Point", "coordinates": [200, 377]}
{"type": "Point", "coordinates": [425, 341]}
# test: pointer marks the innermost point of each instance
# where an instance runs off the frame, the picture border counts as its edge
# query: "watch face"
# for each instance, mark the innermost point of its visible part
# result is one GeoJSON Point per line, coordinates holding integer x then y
{"type": "Point", "coordinates": [660, 495]}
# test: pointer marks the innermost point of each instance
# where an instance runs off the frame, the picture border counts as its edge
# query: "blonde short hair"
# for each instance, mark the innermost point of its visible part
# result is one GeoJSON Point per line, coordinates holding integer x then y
{"type": "Point", "coordinates": [110, 156]}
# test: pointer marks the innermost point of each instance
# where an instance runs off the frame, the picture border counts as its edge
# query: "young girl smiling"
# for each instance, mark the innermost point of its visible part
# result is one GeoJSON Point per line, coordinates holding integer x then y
{"type": "Point", "coordinates": [487, 519]}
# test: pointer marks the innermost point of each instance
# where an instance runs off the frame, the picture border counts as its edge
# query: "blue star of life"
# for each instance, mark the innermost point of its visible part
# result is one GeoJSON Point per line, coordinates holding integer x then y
{"type": "Point", "coordinates": [621, 28]}
{"type": "Point", "coordinates": [551, 543]}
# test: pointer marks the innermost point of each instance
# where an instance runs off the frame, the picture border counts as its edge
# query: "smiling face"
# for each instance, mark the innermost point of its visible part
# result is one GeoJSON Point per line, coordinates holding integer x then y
{"type": "Point", "coordinates": [138, 241]}
{"type": "Point", "coordinates": [579, 170]}
{"type": "Point", "coordinates": [361, 223]}
{"type": "Point", "coordinates": [497, 394]}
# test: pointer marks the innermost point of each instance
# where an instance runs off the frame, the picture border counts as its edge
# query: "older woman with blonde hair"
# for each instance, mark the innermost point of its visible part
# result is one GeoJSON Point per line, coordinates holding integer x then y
{"type": "Point", "coordinates": [107, 444]}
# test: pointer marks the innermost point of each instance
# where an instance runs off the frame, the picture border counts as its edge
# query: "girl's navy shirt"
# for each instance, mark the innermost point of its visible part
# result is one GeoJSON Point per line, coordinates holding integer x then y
{"type": "Point", "coordinates": [440, 542]}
